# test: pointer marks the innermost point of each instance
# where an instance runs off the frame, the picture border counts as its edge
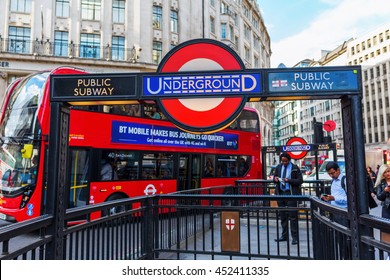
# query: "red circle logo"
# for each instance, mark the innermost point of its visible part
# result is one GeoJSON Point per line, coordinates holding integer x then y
{"type": "Point", "coordinates": [301, 147]}
{"type": "Point", "coordinates": [203, 114]}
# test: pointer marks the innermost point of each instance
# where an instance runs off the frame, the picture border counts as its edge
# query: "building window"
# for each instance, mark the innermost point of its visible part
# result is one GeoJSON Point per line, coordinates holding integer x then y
{"type": "Point", "coordinates": [312, 113]}
{"type": "Point", "coordinates": [256, 42]}
{"type": "Point", "coordinates": [246, 53]}
{"type": "Point", "coordinates": [90, 9]}
{"type": "Point", "coordinates": [235, 19]}
{"type": "Point", "coordinates": [22, 6]}
{"type": "Point", "coordinates": [327, 105]}
{"type": "Point", "coordinates": [157, 17]}
{"type": "Point", "coordinates": [118, 11]}
{"type": "Point", "coordinates": [212, 25]}
{"type": "Point", "coordinates": [255, 23]}
{"type": "Point", "coordinates": [231, 32]}
{"type": "Point", "coordinates": [19, 39]}
{"type": "Point", "coordinates": [89, 46]}
{"type": "Point", "coordinates": [256, 61]}
{"type": "Point", "coordinates": [61, 43]}
{"type": "Point", "coordinates": [157, 52]}
{"type": "Point", "coordinates": [174, 21]}
{"type": "Point", "coordinates": [62, 8]}
{"type": "Point", "coordinates": [247, 32]}
{"type": "Point", "coordinates": [224, 8]}
{"type": "Point", "coordinates": [118, 48]}
{"type": "Point", "coordinates": [246, 11]}
{"type": "Point", "coordinates": [223, 31]}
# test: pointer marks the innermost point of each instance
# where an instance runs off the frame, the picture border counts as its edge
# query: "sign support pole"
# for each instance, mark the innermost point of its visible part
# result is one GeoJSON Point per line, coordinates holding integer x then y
{"type": "Point", "coordinates": [57, 183]}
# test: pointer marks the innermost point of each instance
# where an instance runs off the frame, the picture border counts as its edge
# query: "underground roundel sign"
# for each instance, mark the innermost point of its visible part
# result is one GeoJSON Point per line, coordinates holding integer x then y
{"type": "Point", "coordinates": [296, 147]}
{"type": "Point", "coordinates": [207, 114]}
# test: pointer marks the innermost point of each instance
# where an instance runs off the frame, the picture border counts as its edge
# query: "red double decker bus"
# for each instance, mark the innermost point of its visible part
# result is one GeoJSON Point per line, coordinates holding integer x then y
{"type": "Point", "coordinates": [115, 151]}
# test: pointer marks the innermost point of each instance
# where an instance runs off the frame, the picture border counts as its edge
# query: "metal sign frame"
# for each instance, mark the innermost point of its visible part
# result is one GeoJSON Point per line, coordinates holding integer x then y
{"type": "Point", "coordinates": [274, 84]}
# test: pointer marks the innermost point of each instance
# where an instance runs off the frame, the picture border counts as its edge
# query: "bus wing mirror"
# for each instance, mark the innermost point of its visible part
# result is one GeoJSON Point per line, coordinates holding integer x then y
{"type": "Point", "coordinates": [27, 151]}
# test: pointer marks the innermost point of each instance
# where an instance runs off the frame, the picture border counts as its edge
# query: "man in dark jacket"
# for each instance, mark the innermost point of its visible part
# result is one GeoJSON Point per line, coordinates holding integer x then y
{"type": "Point", "coordinates": [288, 180]}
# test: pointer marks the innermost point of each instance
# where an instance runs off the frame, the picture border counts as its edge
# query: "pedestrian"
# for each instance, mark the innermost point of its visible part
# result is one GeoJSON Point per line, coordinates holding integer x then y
{"type": "Point", "coordinates": [382, 188]}
{"type": "Point", "coordinates": [338, 197]}
{"type": "Point", "coordinates": [338, 191]}
{"type": "Point", "coordinates": [288, 180]}
{"type": "Point", "coordinates": [243, 166]}
{"type": "Point", "coordinates": [371, 192]}
{"type": "Point", "coordinates": [208, 168]}
{"type": "Point", "coordinates": [377, 170]}
{"type": "Point", "coordinates": [371, 173]}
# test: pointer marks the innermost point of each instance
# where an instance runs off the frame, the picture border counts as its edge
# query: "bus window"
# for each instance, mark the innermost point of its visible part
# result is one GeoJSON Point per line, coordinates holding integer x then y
{"type": "Point", "coordinates": [157, 166]}
{"type": "Point", "coordinates": [133, 110]}
{"type": "Point", "coordinates": [165, 166]}
{"type": "Point", "coordinates": [232, 166]}
{"type": "Point", "coordinates": [79, 178]}
{"type": "Point", "coordinates": [227, 166]}
{"type": "Point", "coordinates": [127, 163]}
{"type": "Point", "coordinates": [249, 121]}
{"type": "Point", "coordinates": [152, 111]}
{"type": "Point", "coordinates": [149, 166]}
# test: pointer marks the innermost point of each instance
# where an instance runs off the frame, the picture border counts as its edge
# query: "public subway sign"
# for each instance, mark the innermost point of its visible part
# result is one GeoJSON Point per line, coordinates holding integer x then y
{"type": "Point", "coordinates": [94, 87]}
{"type": "Point", "coordinates": [314, 81]}
{"type": "Point", "coordinates": [217, 84]}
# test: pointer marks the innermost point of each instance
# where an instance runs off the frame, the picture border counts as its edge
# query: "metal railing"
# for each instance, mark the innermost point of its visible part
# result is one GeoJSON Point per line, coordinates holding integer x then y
{"type": "Point", "coordinates": [68, 50]}
{"type": "Point", "coordinates": [189, 226]}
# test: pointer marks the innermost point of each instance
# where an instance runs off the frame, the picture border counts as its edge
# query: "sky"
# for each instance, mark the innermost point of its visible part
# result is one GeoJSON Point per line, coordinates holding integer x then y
{"type": "Point", "coordinates": [300, 29]}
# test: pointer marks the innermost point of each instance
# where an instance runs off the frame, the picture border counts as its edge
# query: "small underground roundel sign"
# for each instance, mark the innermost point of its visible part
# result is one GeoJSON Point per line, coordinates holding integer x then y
{"type": "Point", "coordinates": [206, 114]}
{"type": "Point", "coordinates": [297, 147]}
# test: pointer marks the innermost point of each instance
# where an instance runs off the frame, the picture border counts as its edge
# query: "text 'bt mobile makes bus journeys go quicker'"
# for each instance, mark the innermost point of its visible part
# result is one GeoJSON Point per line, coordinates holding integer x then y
{"type": "Point", "coordinates": [134, 155]}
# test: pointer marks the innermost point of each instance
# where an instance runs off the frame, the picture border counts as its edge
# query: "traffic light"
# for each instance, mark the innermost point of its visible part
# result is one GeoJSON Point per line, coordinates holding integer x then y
{"type": "Point", "coordinates": [318, 132]}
